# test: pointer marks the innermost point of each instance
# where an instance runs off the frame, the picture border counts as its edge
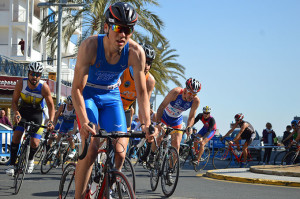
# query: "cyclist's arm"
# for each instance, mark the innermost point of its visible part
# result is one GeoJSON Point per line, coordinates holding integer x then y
{"type": "Point", "coordinates": [57, 114]}
{"type": "Point", "coordinates": [298, 136]}
{"type": "Point", "coordinates": [231, 130]}
{"type": "Point", "coordinates": [15, 98]}
{"type": "Point", "coordinates": [289, 136]}
{"type": "Point", "coordinates": [46, 93]}
{"type": "Point", "coordinates": [172, 95]}
{"type": "Point", "coordinates": [86, 57]}
{"type": "Point", "coordinates": [245, 125]}
{"type": "Point", "coordinates": [198, 117]}
{"type": "Point", "coordinates": [191, 119]}
{"type": "Point", "coordinates": [74, 127]}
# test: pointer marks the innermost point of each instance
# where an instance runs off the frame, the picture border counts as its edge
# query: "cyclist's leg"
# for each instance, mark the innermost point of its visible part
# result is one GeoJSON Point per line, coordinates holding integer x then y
{"type": "Point", "coordinates": [84, 167]}
{"type": "Point", "coordinates": [121, 145]}
{"type": "Point", "coordinates": [112, 118]}
{"type": "Point", "coordinates": [204, 141]}
{"type": "Point", "coordinates": [37, 118]}
{"type": "Point", "coordinates": [248, 141]}
{"type": "Point", "coordinates": [176, 137]}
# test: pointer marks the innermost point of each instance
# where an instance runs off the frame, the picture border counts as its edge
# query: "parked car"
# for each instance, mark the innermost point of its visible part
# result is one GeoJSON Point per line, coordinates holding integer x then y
{"type": "Point", "coordinates": [5, 159]}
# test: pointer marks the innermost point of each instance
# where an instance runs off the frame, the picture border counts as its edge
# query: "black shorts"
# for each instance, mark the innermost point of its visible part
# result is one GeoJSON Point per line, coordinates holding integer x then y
{"type": "Point", "coordinates": [31, 115]}
{"type": "Point", "coordinates": [248, 136]}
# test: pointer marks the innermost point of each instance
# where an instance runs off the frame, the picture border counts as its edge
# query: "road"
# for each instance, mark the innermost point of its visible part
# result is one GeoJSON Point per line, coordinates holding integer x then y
{"type": "Point", "coordinates": [37, 186]}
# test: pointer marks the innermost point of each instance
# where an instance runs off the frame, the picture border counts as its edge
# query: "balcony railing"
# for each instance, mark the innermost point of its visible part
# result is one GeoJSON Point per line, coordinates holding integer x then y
{"type": "Point", "coordinates": [19, 16]}
{"type": "Point", "coordinates": [11, 68]}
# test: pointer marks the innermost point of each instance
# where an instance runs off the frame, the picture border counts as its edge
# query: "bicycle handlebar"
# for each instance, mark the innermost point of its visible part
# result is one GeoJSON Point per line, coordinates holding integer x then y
{"type": "Point", "coordinates": [26, 124]}
{"type": "Point", "coordinates": [114, 134]}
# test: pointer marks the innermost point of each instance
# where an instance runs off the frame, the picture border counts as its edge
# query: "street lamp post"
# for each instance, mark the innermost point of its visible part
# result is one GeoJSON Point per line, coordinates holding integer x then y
{"type": "Point", "coordinates": [61, 4]}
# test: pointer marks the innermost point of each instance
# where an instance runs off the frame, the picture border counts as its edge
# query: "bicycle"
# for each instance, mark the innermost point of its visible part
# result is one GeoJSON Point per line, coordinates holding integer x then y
{"type": "Point", "coordinates": [292, 157]}
{"type": "Point", "coordinates": [166, 165]}
{"type": "Point", "coordinates": [41, 151]}
{"type": "Point", "coordinates": [23, 154]}
{"type": "Point", "coordinates": [57, 155]}
{"type": "Point", "coordinates": [111, 181]}
{"type": "Point", "coordinates": [186, 153]}
{"type": "Point", "coordinates": [134, 153]}
{"type": "Point", "coordinates": [226, 156]}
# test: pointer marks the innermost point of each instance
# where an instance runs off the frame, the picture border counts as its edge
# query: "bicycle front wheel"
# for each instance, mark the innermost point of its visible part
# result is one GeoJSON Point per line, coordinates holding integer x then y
{"type": "Point", "coordinates": [118, 186]}
{"type": "Point", "coordinates": [170, 172]}
{"type": "Point", "coordinates": [129, 172]}
{"type": "Point", "coordinates": [290, 158]}
{"type": "Point", "coordinates": [222, 158]}
{"type": "Point", "coordinates": [67, 182]}
{"type": "Point", "coordinates": [203, 161]}
{"type": "Point", "coordinates": [48, 161]}
{"type": "Point", "coordinates": [21, 168]}
{"type": "Point", "coordinates": [278, 158]}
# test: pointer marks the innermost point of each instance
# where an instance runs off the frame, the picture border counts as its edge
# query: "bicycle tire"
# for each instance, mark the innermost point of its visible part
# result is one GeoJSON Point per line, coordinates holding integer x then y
{"type": "Point", "coordinates": [279, 156]}
{"type": "Point", "coordinates": [289, 158]}
{"type": "Point", "coordinates": [154, 178]}
{"type": "Point", "coordinates": [171, 157]}
{"type": "Point", "coordinates": [48, 161]}
{"type": "Point", "coordinates": [222, 158]}
{"type": "Point", "coordinates": [139, 154]}
{"type": "Point", "coordinates": [67, 183]}
{"type": "Point", "coordinates": [119, 186]}
{"type": "Point", "coordinates": [129, 172]}
{"type": "Point", "coordinates": [184, 155]}
{"type": "Point", "coordinates": [21, 168]}
{"type": "Point", "coordinates": [203, 161]}
{"type": "Point", "coordinates": [40, 153]}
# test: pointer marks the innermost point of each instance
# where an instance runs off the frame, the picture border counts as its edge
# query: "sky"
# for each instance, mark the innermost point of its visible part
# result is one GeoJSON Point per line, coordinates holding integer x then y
{"type": "Point", "coordinates": [245, 53]}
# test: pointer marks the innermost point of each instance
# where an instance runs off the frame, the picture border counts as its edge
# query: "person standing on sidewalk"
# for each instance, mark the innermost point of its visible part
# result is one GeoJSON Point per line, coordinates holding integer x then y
{"type": "Point", "coordinates": [22, 44]}
{"type": "Point", "coordinates": [3, 119]}
{"type": "Point", "coordinates": [285, 135]}
{"type": "Point", "coordinates": [268, 139]}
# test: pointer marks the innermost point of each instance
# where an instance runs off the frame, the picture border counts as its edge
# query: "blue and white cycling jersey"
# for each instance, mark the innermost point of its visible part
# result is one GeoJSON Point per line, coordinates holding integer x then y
{"type": "Point", "coordinates": [101, 93]}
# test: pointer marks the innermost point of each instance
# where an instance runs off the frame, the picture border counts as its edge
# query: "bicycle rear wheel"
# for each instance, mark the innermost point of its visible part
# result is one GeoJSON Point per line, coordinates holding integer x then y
{"type": "Point", "coordinates": [21, 168]}
{"type": "Point", "coordinates": [203, 161]}
{"type": "Point", "coordinates": [48, 161]}
{"type": "Point", "coordinates": [170, 172]}
{"type": "Point", "coordinates": [129, 172]}
{"type": "Point", "coordinates": [222, 158]}
{"type": "Point", "coordinates": [184, 153]}
{"type": "Point", "coordinates": [67, 182]}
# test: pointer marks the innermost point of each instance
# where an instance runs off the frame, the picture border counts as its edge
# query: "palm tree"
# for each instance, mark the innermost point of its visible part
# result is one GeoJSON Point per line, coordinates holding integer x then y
{"type": "Point", "coordinates": [91, 19]}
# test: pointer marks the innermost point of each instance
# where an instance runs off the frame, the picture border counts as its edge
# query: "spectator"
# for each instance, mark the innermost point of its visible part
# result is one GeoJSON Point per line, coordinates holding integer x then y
{"type": "Point", "coordinates": [4, 119]}
{"type": "Point", "coordinates": [134, 122]}
{"type": "Point", "coordinates": [22, 44]}
{"type": "Point", "coordinates": [268, 139]}
{"type": "Point", "coordinates": [286, 134]}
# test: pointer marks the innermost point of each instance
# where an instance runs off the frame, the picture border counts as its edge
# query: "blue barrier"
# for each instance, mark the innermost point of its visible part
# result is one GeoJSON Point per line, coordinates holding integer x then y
{"type": "Point", "coordinates": [6, 137]}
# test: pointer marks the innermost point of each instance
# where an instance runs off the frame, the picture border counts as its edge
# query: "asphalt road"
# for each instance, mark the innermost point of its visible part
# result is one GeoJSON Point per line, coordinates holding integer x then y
{"type": "Point", "coordinates": [37, 186]}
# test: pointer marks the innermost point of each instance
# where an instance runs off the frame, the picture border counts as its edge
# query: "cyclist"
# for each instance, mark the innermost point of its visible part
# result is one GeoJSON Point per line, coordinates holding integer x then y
{"type": "Point", "coordinates": [127, 87]}
{"type": "Point", "coordinates": [246, 132]}
{"type": "Point", "coordinates": [96, 97]}
{"type": "Point", "coordinates": [206, 133]}
{"type": "Point", "coordinates": [32, 91]}
{"type": "Point", "coordinates": [68, 124]}
{"type": "Point", "coordinates": [170, 112]}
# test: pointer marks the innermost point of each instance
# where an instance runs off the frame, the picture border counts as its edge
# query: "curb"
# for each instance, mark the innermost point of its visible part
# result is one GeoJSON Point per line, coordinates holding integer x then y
{"type": "Point", "coordinates": [211, 174]}
{"type": "Point", "coordinates": [273, 172]}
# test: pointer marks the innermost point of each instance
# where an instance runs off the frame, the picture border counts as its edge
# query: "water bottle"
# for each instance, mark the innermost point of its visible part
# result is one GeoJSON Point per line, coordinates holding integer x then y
{"type": "Point", "coordinates": [94, 187]}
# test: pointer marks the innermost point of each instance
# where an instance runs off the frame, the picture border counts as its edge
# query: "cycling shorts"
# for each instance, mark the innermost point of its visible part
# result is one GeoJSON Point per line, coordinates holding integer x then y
{"type": "Point", "coordinates": [248, 136]}
{"type": "Point", "coordinates": [104, 107]}
{"type": "Point", "coordinates": [172, 122]}
{"type": "Point", "coordinates": [205, 134]}
{"type": "Point", "coordinates": [31, 115]}
{"type": "Point", "coordinates": [66, 126]}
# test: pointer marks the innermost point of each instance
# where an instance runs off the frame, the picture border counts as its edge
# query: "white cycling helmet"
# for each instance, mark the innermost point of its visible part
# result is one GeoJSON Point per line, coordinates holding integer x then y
{"type": "Point", "coordinates": [36, 67]}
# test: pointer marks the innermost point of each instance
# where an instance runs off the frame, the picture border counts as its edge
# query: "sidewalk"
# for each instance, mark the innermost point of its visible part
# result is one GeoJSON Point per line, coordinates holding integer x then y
{"type": "Point", "coordinates": [267, 174]}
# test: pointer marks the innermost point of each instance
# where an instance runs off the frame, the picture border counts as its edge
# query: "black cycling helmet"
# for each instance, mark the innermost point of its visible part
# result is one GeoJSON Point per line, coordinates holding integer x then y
{"type": "Point", "coordinates": [149, 51]}
{"type": "Point", "coordinates": [121, 13]}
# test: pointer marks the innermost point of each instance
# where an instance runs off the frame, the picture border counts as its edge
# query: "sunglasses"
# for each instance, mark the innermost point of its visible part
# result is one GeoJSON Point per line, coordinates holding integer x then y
{"type": "Point", "coordinates": [121, 29]}
{"type": "Point", "coordinates": [35, 74]}
{"type": "Point", "coordinates": [206, 113]}
{"type": "Point", "coordinates": [191, 93]}
{"type": "Point", "coordinates": [148, 62]}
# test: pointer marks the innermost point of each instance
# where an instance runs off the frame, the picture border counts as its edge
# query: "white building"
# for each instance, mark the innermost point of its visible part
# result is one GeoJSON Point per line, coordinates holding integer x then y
{"type": "Point", "coordinates": [22, 19]}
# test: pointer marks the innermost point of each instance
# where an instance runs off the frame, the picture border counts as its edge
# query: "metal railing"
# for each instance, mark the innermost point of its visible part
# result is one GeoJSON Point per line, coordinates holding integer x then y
{"type": "Point", "coordinates": [5, 140]}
